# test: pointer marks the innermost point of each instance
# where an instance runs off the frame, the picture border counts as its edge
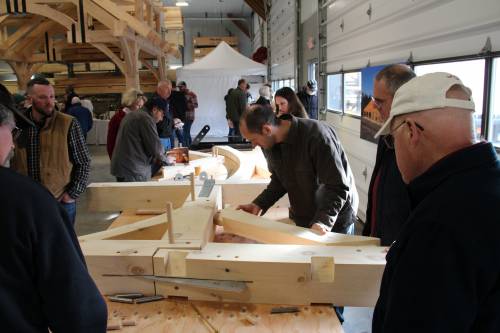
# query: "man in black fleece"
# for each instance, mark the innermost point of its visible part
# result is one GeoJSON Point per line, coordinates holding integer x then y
{"type": "Point", "coordinates": [44, 282]}
{"type": "Point", "coordinates": [442, 273]}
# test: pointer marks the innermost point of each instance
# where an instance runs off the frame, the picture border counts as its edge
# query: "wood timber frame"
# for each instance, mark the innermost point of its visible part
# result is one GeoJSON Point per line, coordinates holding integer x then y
{"type": "Point", "coordinates": [293, 266]}
{"type": "Point", "coordinates": [34, 32]}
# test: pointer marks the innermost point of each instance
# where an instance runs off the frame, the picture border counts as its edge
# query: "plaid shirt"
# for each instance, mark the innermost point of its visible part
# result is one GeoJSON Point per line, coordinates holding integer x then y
{"type": "Point", "coordinates": [192, 103]}
{"type": "Point", "coordinates": [78, 153]}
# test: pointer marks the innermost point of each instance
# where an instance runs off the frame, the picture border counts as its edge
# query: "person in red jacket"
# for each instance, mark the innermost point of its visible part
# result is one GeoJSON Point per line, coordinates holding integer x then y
{"type": "Point", "coordinates": [132, 100]}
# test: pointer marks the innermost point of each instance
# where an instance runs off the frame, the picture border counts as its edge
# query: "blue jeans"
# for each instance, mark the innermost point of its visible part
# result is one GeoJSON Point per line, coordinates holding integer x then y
{"type": "Point", "coordinates": [166, 143]}
{"type": "Point", "coordinates": [70, 208]}
{"type": "Point", "coordinates": [187, 133]}
{"type": "Point", "coordinates": [180, 139]}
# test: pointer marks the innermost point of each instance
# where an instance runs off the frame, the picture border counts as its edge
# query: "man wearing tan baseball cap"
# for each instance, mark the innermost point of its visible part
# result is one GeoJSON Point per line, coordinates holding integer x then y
{"type": "Point", "coordinates": [442, 272]}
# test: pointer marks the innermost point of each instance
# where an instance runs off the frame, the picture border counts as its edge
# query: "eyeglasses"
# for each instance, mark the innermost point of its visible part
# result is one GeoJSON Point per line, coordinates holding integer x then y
{"type": "Point", "coordinates": [16, 132]}
{"type": "Point", "coordinates": [389, 138]}
{"type": "Point", "coordinates": [378, 103]}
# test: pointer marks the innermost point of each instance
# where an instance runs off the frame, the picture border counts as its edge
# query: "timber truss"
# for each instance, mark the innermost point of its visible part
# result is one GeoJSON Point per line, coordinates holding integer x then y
{"type": "Point", "coordinates": [174, 254]}
{"type": "Point", "coordinates": [33, 32]}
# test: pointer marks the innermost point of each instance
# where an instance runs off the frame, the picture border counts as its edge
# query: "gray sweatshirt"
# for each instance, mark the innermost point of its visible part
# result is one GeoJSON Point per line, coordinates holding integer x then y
{"type": "Point", "coordinates": [137, 147]}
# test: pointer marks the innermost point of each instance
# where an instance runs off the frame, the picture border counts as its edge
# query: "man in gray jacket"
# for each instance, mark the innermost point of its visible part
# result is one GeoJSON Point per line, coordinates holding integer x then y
{"type": "Point", "coordinates": [138, 148]}
{"type": "Point", "coordinates": [308, 162]}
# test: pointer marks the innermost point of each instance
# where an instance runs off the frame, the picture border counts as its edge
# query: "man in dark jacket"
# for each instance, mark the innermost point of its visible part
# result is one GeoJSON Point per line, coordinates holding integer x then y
{"type": "Point", "coordinates": [306, 161]}
{"type": "Point", "coordinates": [309, 99]}
{"type": "Point", "coordinates": [236, 104]}
{"type": "Point", "coordinates": [442, 272]}
{"type": "Point", "coordinates": [388, 202]}
{"type": "Point", "coordinates": [82, 114]}
{"type": "Point", "coordinates": [174, 111]}
{"type": "Point", "coordinates": [44, 282]}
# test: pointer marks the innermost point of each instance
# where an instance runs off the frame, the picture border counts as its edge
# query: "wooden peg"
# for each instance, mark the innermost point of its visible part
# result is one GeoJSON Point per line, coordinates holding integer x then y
{"type": "Point", "coordinates": [170, 224]}
{"type": "Point", "coordinates": [191, 178]}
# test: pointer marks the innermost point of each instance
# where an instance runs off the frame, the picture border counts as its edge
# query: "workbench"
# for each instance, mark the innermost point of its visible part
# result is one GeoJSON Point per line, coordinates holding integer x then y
{"type": "Point", "coordinates": [179, 316]}
{"type": "Point", "coordinates": [172, 315]}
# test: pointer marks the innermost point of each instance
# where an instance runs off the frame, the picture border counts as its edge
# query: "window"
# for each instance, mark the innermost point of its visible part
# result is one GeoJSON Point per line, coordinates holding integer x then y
{"type": "Point", "coordinates": [471, 72]}
{"type": "Point", "coordinates": [352, 93]}
{"type": "Point", "coordinates": [287, 83]}
{"type": "Point", "coordinates": [494, 116]}
{"type": "Point", "coordinates": [292, 84]}
{"type": "Point", "coordinates": [334, 92]}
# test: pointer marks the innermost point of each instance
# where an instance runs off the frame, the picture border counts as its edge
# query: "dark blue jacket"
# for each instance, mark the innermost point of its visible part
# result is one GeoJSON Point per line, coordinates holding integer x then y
{"type": "Point", "coordinates": [44, 282]}
{"type": "Point", "coordinates": [310, 103]}
{"type": "Point", "coordinates": [393, 204]}
{"type": "Point", "coordinates": [443, 271]}
{"type": "Point", "coordinates": [83, 115]}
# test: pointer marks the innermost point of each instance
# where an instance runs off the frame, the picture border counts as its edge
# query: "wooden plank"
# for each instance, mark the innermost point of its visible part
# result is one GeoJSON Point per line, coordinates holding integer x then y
{"type": "Point", "coordinates": [193, 223]}
{"type": "Point", "coordinates": [214, 41]}
{"type": "Point", "coordinates": [239, 166]}
{"type": "Point", "coordinates": [237, 192]}
{"type": "Point", "coordinates": [170, 263]}
{"type": "Point", "coordinates": [358, 271]}
{"type": "Point", "coordinates": [139, 195]}
{"type": "Point", "coordinates": [203, 51]}
{"type": "Point", "coordinates": [118, 259]}
{"type": "Point", "coordinates": [322, 269]}
{"type": "Point", "coordinates": [179, 316]}
{"type": "Point", "coordinates": [267, 231]}
{"type": "Point", "coordinates": [151, 228]}
{"type": "Point", "coordinates": [125, 257]}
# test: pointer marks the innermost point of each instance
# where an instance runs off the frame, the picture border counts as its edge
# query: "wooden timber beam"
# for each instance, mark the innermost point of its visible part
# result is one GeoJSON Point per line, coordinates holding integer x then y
{"type": "Point", "coordinates": [258, 6]}
{"type": "Point", "coordinates": [268, 231]}
{"type": "Point", "coordinates": [114, 58]}
{"type": "Point", "coordinates": [243, 27]}
{"type": "Point", "coordinates": [130, 51]}
{"type": "Point", "coordinates": [141, 195]}
{"type": "Point", "coordinates": [52, 14]}
{"type": "Point", "coordinates": [138, 26]}
{"type": "Point", "coordinates": [153, 70]}
{"type": "Point", "coordinates": [21, 32]}
{"type": "Point", "coordinates": [23, 71]}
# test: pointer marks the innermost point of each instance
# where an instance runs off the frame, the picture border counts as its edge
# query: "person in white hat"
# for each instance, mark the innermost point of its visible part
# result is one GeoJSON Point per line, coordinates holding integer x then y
{"type": "Point", "coordinates": [442, 272]}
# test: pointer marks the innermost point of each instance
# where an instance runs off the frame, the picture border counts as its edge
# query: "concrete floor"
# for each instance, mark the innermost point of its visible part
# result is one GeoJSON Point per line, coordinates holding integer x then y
{"type": "Point", "coordinates": [357, 320]}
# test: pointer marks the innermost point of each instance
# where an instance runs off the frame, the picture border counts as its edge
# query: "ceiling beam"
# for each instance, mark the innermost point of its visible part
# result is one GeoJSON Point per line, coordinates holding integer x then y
{"type": "Point", "coordinates": [242, 26]}
{"type": "Point", "coordinates": [258, 6]}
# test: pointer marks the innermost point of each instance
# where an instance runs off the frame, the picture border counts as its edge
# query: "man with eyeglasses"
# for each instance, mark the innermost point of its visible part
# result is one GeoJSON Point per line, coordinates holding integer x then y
{"type": "Point", "coordinates": [442, 272]}
{"type": "Point", "coordinates": [44, 282]}
{"type": "Point", "coordinates": [54, 151]}
{"type": "Point", "coordinates": [388, 203]}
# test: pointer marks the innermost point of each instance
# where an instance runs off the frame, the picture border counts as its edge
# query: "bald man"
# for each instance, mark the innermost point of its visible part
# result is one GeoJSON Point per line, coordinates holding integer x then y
{"type": "Point", "coordinates": [175, 108]}
{"type": "Point", "coordinates": [442, 272]}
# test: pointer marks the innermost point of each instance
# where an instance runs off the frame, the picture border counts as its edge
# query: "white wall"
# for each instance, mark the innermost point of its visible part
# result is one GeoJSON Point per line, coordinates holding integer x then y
{"type": "Point", "coordinates": [283, 43]}
{"type": "Point", "coordinates": [259, 27]}
{"type": "Point", "coordinates": [424, 29]}
{"type": "Point", "coordinates": [308, 8]}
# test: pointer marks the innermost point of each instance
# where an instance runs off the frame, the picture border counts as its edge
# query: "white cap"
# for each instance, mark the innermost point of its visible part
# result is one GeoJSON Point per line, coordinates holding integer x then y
{"type": "Point", "coordinates": [425, 92]}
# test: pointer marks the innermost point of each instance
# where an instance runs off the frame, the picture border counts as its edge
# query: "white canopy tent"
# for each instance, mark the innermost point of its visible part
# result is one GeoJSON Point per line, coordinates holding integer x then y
{"type": "Point", "coordinates": [210, 78]}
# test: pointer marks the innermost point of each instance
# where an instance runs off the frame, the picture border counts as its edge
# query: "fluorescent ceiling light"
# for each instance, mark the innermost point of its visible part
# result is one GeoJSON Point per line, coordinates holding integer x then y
{"type": "Point", "coordinates": [181, 4]}
{"type": "Point", "coordinates": [174, 66]}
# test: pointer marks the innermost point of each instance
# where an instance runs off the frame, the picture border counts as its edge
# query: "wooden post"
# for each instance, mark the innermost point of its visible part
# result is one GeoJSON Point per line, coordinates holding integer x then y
{"type": "Point", "coordinates": [23, 71]}
{"type": "Point", "coordinates": [170, 224]}
{"type": "Point", "coordinates": [193, 194]}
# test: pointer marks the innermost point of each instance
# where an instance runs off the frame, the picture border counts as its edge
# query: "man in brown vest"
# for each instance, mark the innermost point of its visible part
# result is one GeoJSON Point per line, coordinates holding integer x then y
{"type": "Point", "coordinates": [53, 152]}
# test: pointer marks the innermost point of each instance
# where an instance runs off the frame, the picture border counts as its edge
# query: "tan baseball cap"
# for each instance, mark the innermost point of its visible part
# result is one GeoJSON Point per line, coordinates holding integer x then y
{"type": "Point", "coordinates": [425, 92]}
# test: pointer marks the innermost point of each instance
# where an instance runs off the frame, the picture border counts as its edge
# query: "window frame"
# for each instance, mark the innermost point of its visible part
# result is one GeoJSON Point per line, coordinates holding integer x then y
{"type": "Point", "coordinates": [488, 57]}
